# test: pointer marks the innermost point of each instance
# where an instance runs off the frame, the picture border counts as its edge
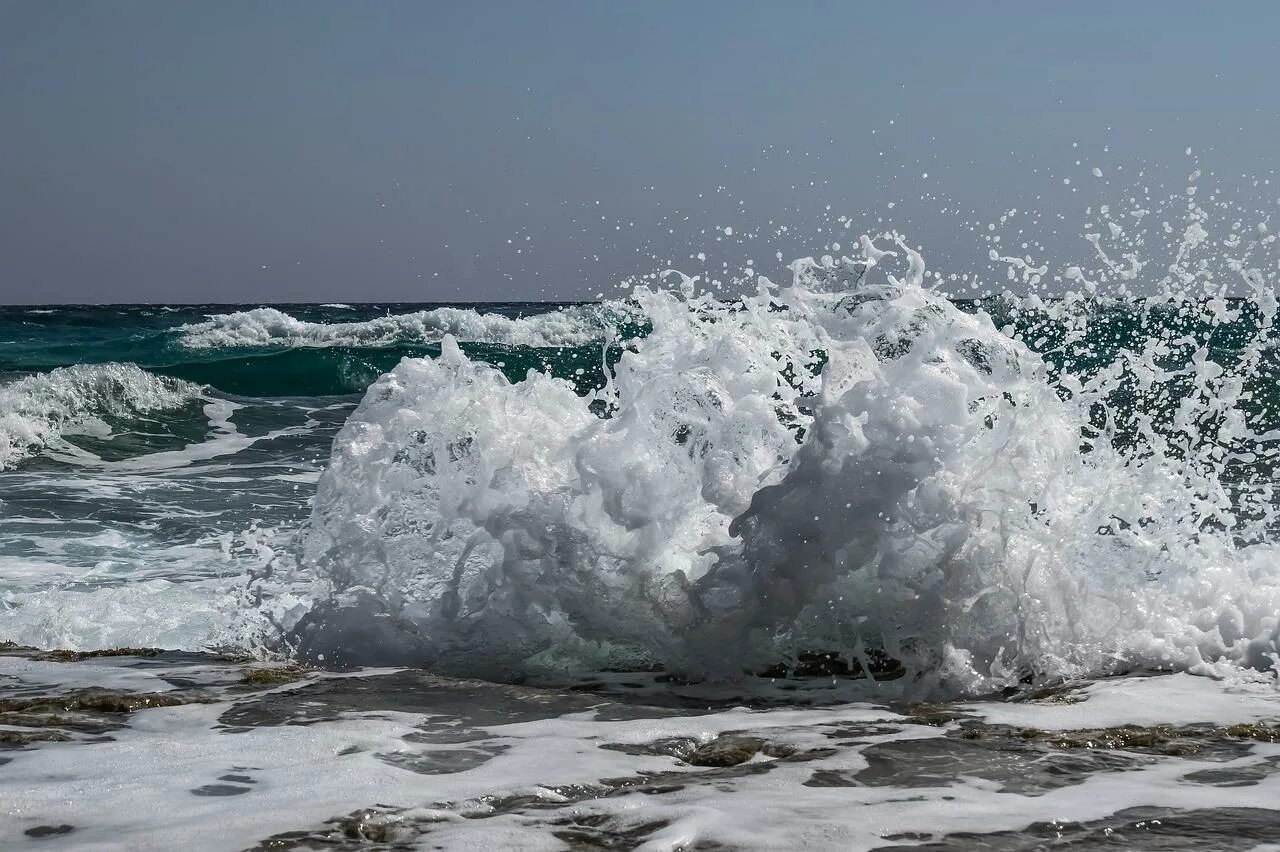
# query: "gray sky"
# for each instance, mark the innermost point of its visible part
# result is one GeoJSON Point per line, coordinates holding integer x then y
{"type": "Point", "coordinates": [307, 150]}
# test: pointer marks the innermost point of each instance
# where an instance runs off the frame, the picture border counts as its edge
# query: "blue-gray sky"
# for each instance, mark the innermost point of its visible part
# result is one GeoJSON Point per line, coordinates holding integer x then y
{"type": "Point", "coordinates": [308, 150]}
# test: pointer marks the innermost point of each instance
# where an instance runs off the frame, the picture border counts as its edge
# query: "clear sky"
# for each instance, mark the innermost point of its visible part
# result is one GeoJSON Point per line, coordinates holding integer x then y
{"type": "Point", "coordinates": [308, 150]}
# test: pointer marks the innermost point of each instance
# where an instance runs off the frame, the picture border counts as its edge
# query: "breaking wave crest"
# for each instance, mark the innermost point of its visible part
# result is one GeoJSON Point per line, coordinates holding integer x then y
{"type": "Point", "coordinates": [263, 327]}
{"type": "Point", "coordinates": [849, 464]}
{"type": "Point", "coordinates": [36, 411]}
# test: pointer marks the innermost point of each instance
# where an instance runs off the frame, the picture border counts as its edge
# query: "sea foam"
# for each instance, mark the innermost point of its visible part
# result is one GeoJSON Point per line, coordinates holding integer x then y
{"type": "Point", "coordinates": [849, 463]}
{"type": "Point", "coordinates": [269, 327]}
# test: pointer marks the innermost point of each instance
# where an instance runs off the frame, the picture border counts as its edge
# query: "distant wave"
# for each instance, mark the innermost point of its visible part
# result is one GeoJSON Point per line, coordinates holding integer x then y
{"type": "Point", "coordinates": [571, 326]}
{"type": "Point", "coordinates": [38, 410]}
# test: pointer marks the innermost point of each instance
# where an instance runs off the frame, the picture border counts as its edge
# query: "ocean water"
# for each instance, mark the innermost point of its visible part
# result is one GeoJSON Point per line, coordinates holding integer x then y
{"type": "Point", "coordinates": [838, 563]}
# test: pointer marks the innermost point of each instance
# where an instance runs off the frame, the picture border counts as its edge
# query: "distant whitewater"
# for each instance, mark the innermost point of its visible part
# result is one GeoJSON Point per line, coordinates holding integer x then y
{"type": "Point", "coordinates": [571, 326]}
{"type": "Point", "coordinates": [849, 464]}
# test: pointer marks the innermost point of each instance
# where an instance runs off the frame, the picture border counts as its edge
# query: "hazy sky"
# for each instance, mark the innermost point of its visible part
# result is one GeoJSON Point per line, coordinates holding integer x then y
{"type": "Point", "coordinates": [315, 151]}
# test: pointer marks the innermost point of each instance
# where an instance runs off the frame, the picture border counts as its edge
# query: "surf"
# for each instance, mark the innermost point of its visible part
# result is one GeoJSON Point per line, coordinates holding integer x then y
{"type": "Point", "coordinates": [37, 411]}
{"type": "Point", "coordinates": [847, 463]}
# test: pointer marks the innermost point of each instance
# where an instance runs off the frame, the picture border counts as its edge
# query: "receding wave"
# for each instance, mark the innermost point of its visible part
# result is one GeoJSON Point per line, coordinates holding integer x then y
{"type": "Point", "coordinates": [36, 411]}
{"type": "Point", "coordinates": [269, 327]}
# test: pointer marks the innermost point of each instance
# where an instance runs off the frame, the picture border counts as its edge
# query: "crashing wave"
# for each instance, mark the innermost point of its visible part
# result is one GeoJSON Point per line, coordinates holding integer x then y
{"type": "Point", "coordinates": [268, 327]}
{"type": "Point", "coordinates": [36, 411]}
{"type": "Point", "coordinates": [847, 464]}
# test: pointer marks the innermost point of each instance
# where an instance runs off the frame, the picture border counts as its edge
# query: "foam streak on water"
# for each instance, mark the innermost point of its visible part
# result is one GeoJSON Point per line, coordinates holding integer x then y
{"type": "Point", "coordinates": [405, 758]}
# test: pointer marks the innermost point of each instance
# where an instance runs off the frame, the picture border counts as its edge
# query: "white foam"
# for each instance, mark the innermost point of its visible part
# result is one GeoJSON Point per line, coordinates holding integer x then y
{"type": "Point", "coordinates": [225, 439]}
{"type": "Point", "coordinates": [129, 589]}
{"type": "Point", "coordinates": [149, 613]}
{"type": "Point", "coordinates": [37, 410]}
{"type": "Point", "coordinates": [571, 326]}
{"type": "Point", "coordinates": [1176, 699]}
{"type": "Point", "coordinates": [937, 506]}
{"type": "Point", "coordinates": [135, 789]}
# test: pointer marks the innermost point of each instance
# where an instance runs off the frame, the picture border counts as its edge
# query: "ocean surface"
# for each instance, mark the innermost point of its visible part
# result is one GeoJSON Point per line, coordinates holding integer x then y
{"type": "Point", "coordinates": [841, 563]}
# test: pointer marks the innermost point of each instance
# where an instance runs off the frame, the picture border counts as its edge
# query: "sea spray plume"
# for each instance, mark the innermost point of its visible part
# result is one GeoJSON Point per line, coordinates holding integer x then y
{"type": "Point", "coordinates": [37, 410]}
{"type": "Point", "coordinates": [507, 521]}
{"type": "Point", "coordinates": [937, 492]}
{"type": "Point", "coordinates": [863, 544]}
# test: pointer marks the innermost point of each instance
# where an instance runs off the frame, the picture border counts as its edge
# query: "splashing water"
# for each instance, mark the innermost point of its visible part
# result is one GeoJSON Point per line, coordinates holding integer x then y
{"type": "Point", "coordinates": [849, 463]}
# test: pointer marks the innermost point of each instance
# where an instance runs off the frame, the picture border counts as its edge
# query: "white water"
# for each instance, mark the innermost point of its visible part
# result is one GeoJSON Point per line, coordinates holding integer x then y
{"type": "Point", "coordinates": [438, 774]}
{"type": "Point", "coordinates": [36, 411]}
{"type": "Point", "coordinates": [925, 495]}
{"type": "Point", "coordinates": [572, 326]}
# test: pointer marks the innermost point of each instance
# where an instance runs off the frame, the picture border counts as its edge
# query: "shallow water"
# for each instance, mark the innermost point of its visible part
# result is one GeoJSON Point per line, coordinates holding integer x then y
{"type": "Point", "coordinates": [403, 759]}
